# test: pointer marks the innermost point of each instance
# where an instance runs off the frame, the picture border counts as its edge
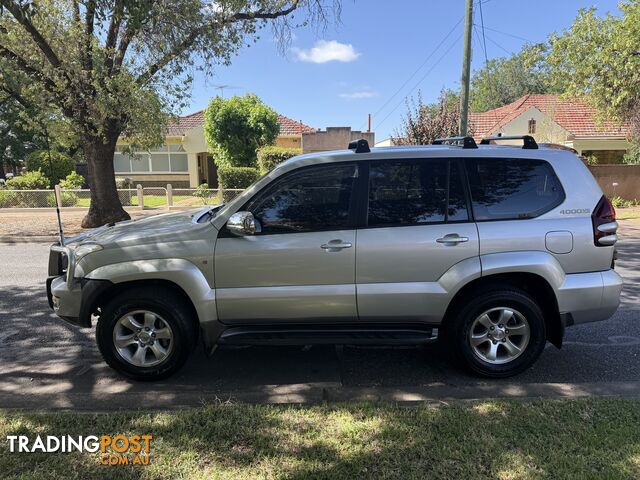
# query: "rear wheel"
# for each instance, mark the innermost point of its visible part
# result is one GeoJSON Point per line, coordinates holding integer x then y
{"type": "Point", "coordinates": [145, 333]}
{"type": "Point", "coordinates": [498, 332]}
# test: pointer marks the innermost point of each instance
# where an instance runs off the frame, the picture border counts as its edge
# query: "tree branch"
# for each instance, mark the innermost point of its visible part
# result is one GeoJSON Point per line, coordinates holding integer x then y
{"type": "Point", "coordinates": [89, 17]}
{"type": "Point", "coordinates": [17, 12]}
{"type": "Point", "coordinates": [190, 39]}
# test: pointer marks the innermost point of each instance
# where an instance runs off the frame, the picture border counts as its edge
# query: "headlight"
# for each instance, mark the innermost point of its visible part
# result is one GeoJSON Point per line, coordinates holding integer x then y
{"type": "Point", "coordinates": [86, 249]}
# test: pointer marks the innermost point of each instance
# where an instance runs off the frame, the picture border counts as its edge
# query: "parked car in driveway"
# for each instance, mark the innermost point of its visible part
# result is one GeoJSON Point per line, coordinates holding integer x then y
{"type": "Point", "coordinates": [492, 249]}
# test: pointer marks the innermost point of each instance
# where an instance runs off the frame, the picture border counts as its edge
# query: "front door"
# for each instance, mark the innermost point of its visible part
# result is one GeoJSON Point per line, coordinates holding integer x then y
{"type": "Point", "coordinates": [417, 228]}
{"type": "Point", "coordinates": [301, 266]}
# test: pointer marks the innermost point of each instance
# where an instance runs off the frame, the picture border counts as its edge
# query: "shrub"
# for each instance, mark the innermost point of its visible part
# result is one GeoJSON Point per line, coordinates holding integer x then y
{"type": "Point", "coordinates": [60, 166]}
{"type": "Point", "coordinates": [619, 202]}
{"type": "Point", "coordinates": [203, 192]}
{"type": "Point", "coordinates": [235, 128]}
{"type": "Point", "coordinates": [632, 157]}
{"type": "Point", "coordinates": [7, 199]}
{"type": "Point", "coordinates": [35, 180]}
{"type": "Point", "coordinates": [237, 177]}
{"type": "Point", "coordinates": [270, 157]}
{"type": "Point", "coordinates": [123, 183]}
{"type": "Point", "coordinates": [73, 181]}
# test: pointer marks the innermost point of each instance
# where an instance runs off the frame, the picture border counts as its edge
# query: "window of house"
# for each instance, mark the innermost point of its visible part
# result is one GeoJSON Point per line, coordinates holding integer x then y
{"type": "Point", "coordinates": [508, 189]}
{"type": "Point", "coordinates": [163, 159]}
{"type": "Point", "coordinates": [532, 126]}
{"type": "Point", "coordinates": [410, 192]}
{"type": "Point", "coordinates": [311, 199]}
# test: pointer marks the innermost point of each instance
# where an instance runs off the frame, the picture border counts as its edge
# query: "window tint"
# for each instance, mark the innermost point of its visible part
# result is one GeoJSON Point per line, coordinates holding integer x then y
{"type": "Point", "coordinates": [410, 192]}
{"type": "Point", "coordinates": [506, 189]}
{"type": "Point", "coordinates": [316, 198]}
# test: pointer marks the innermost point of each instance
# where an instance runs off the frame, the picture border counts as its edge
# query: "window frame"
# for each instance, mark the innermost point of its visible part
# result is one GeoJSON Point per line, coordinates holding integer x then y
{"type": "Point", "coordinates": [146, 157]}
{"type": "Point", "coordinates": [539, 213]}
{"type": "Point", "coordinates": [363, 210]}
{"type": "Point", "coordinates": [353, 201]}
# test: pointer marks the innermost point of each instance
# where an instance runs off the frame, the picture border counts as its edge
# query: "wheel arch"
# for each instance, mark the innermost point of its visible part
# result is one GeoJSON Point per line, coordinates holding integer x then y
{"type": "Point", "coordinates": [532, 283]}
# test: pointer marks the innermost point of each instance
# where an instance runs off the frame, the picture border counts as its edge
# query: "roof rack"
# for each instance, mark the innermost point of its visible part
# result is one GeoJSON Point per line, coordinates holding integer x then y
{"type": "Point", "coordinates": [529, 143]}
{"type": "Point", "coordinates": [359, 146]}
{"type": "Point", "coordinates": [467, 142]}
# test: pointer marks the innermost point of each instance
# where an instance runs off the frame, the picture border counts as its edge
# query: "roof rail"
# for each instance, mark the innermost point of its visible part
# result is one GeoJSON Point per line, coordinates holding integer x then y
{"type": "Point", "coordinates": [359, 146]}
{"type": "Point", "coordinates": [467, 142]}
{"type": "Point", "coordinates": [529, 143]}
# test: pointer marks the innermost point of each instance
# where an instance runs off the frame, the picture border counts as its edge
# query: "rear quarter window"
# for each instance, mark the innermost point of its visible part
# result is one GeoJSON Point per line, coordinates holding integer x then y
{"type": "Point", "coordinates": [512, 189]}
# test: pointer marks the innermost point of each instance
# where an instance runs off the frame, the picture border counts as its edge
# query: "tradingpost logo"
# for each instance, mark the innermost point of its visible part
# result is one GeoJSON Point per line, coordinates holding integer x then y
{"type": "Point", "coordinates": [112, 449]}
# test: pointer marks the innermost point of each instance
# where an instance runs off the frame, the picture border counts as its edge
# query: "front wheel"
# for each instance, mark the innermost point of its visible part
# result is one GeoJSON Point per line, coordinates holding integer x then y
{"type": "Point", "coordinates": [499, 332]}
{"type": "Point", "coordinates": [146, 334]}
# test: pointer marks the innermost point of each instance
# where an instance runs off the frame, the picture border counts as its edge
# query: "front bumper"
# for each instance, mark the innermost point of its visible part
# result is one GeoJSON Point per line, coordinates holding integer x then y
{"type": "Point", "coordinates": [590, 297]}
{"type": "Point", "coordinates": [66, 301]}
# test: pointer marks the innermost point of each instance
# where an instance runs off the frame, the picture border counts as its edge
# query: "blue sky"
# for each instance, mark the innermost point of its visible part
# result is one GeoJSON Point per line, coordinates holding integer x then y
{"type": "Point", "coordinates": [336, 77]}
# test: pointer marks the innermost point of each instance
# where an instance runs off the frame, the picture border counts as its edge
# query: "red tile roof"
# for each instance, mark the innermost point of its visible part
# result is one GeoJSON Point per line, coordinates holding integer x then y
{"type": "Point", "coordinates": [572, 115]}
{"type": "Point", "coordinates": [180, 126]}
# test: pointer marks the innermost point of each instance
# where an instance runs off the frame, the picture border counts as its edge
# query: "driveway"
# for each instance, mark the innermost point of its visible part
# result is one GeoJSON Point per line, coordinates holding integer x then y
{"type": "Point", "coordinates": [45, 363]}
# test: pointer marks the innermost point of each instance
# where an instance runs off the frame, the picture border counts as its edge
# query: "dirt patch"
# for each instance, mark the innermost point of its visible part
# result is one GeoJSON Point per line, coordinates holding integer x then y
{"type": "Point", "coordinates": [35, 224]}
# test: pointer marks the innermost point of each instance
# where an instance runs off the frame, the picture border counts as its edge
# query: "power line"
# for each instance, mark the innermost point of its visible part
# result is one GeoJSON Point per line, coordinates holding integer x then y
{"type": "Point", "coordinates": [499, 46]}
{"type": "Point", "coordinates": [517, 37]}
{"type": "Point", "coordinates": [419, 68]}
{"type": "Point", "coordinates": [480, 44]}
{"type": "Point", "coordinates": [421, 80]}
{"type": "Point", "coordinates": [484, 38]}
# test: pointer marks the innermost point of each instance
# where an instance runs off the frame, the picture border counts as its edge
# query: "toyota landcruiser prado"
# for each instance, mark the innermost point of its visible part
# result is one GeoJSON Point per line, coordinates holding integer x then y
{"type": "Point", "coordinates": [493, 249]}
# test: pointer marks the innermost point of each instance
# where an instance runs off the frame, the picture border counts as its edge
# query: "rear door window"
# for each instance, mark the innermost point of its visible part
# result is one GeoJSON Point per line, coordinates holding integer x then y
{"type": "Point", "coordinates": [510, 189]}
{"type": "Point", "coordinates": [415, 192]}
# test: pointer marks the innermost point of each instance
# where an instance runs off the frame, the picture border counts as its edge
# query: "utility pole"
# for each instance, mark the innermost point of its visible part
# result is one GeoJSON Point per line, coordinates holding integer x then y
{"type": "Point", "coordinates": [466, 70]}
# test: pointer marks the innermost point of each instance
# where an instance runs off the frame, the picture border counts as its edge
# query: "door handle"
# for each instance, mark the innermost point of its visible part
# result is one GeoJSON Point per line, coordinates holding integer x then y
{"type": "Point", "coordinates": [452, 239]}
{"type": "Point", "coordinates": [335, 245]}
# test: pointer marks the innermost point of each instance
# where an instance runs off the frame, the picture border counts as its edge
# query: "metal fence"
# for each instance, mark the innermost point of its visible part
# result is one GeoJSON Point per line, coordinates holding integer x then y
{"type": "Point", "coordinates": [141, 197]}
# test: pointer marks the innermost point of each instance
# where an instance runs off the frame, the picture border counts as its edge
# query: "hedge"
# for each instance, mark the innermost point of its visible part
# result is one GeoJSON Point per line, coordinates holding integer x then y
{"type": "Point", "coordinates": [270, 157]}
{"type": "Point", "coordinates": [55, 170]}
{"type": "Point", "coordinates": [237, 177]}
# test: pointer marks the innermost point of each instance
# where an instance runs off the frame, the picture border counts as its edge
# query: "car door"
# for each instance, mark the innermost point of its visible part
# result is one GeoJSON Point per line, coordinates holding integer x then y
{"type": "Point", "coordinates": [301, 265]}
{"type": "Point", "coordinates": [418, 227]}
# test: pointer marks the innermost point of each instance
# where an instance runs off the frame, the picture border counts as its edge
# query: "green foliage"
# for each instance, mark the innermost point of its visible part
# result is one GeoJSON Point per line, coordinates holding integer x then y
{"type": "Point", "coordinates": [504, 80]}
{"type": "Point", "coordinates": [34, 180]}
{"type": "Point", "coordinates": [619, 202]}
{"type": "Point", "coordinates": [237, 127]}
{"type": "Point", "coordinates": [73, 181]}
{"type": "Point", "coordinates": [597, 59]}
{"type": "Point", "coordinates": [60, 166]}
{"type": "Point", "coordinates": [203, 192]}
{"type": "Point", "coordinates": [632, 157]}
{"type": "Point", "coordinates": [590, 159]}
{"type": "Point", "coordinates": [237, 177]}
{"type": "Point", "coordinates": [271, 156]}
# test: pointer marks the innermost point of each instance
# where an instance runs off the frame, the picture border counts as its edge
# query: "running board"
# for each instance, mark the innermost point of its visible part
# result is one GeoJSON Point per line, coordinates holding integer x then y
{"type": "Point", "coordinates": [322, 335]}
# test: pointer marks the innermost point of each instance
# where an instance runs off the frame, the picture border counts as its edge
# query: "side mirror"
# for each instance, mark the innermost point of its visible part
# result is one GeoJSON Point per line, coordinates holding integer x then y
{"type": "Point", "coordinates": [243, 223]}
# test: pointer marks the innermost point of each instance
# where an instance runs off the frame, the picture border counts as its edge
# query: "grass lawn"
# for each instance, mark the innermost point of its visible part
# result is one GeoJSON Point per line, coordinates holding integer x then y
{"type": "Point", "coordinates": [502, 439]}
{"type": "Point", "coordinates": [159, 200]}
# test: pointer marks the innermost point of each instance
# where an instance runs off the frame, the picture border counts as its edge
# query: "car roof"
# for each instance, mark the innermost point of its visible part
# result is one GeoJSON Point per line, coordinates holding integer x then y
{"type": "Point", "coordinates": [425, 152]}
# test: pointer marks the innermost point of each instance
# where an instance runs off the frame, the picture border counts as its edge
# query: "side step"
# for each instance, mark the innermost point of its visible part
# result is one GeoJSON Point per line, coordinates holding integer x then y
{"type": "Point", "coordinates": [322, 335]}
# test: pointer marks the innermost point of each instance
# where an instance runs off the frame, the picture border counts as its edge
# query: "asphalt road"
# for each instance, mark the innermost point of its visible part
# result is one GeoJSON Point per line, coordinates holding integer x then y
{"type": "Point", "coordinates": [45, 363]}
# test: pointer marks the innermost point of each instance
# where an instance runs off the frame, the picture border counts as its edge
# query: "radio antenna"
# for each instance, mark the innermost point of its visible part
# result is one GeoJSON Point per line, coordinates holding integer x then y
{"type": "Point", "coordinates": [56, 188]}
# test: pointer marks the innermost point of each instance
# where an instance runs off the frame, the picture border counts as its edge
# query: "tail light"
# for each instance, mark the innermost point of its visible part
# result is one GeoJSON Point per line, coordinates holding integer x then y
{"type": "Point", "coordinates": [604, 224]}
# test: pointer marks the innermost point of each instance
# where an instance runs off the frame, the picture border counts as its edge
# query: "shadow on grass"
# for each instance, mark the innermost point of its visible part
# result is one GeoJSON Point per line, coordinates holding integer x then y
{"type": "Point", "coordinates": [551, 439]}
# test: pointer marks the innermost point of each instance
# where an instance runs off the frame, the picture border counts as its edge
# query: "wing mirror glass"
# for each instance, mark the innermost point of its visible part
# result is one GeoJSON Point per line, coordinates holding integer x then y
{"type": "Point", "coordinates": [243, 223]}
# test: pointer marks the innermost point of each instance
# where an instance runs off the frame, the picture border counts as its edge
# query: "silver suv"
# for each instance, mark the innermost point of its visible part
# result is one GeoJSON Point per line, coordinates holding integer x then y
{"type": "Point", "coordinates": [491, 249]}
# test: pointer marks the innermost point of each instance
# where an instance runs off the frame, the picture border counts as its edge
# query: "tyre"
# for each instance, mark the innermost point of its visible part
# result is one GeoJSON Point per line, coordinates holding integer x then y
{"type": "Point", "coordinates": [497, 332]}
{"type": "Point", "coordinates": [146, 333]}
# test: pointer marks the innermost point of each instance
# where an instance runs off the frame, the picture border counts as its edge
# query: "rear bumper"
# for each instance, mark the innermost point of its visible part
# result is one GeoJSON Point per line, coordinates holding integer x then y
{"type": "Point", "coordinates": [590, 297]}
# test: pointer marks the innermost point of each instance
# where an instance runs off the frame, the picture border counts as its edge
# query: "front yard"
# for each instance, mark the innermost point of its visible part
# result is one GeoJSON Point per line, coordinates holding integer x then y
{"type": "Point", "coordinates": [500, 439]}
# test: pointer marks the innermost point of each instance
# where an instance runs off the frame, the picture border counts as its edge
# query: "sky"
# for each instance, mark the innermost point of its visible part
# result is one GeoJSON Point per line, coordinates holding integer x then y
{"type": "Point", "coordinates": [382, 52]}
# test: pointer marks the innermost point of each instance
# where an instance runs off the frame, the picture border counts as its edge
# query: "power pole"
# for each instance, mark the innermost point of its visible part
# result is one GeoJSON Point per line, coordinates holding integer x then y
{"type": "Point", "coordinates": [466, 69]}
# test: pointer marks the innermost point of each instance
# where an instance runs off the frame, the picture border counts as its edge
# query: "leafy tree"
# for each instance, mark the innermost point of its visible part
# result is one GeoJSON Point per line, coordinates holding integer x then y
{"type": "Point", "coordinates": [504, 80]}
{"type": "Point", "coordinates": [423, 123]}
{"type": "Point", "coordinates": [55, 165]}
{"type": "Point", "coordinates": [598, 59]}
{"type": "Point", "coordinates": [118, 67]}
{"type": "Point", "coordinates": [237, 127]}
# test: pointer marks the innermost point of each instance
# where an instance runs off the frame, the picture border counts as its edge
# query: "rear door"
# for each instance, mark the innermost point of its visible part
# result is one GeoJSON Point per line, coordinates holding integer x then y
{"type": "Point", "coordinates": [418, 227]}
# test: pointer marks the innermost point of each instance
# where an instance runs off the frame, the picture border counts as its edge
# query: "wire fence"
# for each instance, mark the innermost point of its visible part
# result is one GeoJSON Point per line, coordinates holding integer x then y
{"type": "Point", "coordinates": [143, 197]}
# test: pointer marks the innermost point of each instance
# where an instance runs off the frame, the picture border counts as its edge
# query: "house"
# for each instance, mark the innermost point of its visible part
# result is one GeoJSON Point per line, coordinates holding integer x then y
{"type": "Point", "coordinates": [551, 119]}
{"type": "Point", "coordinates": [184, 160]}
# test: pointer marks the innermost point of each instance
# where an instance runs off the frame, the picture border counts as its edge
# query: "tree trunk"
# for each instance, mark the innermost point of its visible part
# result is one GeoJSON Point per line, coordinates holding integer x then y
{"type": "Point", "coordinates": [105, 205]}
